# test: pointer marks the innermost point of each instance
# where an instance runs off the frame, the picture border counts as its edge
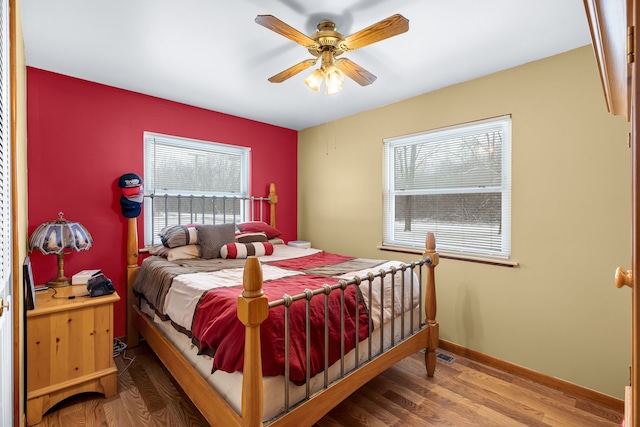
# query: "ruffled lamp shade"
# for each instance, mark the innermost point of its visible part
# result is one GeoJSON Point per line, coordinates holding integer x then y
{"type": "Point", "coordinates": [56, 237]}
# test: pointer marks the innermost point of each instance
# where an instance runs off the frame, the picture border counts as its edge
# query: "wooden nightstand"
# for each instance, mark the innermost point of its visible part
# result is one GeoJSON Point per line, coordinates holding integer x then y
{"type": "Point", "coordinates": [69, 348]}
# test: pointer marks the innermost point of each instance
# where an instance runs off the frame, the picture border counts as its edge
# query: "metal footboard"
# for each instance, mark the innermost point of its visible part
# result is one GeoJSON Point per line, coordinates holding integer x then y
{"type": "Point", "coordinates": [400, 293]}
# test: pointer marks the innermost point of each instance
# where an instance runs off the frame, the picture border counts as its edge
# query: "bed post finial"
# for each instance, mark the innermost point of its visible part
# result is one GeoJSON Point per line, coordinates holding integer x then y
{"type": "Point", "coordinates": [430, 304]}
{"type": "Point", "coordinates": [273, 199]}
{"type": "Point", "coordinates": [253, 307]}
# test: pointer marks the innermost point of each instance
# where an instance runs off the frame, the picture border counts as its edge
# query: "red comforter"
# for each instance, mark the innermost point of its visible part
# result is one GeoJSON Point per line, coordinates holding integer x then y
{"type": "Point", "coordinates": [217, 330]}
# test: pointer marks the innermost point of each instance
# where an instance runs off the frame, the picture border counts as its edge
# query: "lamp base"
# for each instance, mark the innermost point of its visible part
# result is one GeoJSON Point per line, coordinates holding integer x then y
{"type": "Point", "coordinates": [60, 281]}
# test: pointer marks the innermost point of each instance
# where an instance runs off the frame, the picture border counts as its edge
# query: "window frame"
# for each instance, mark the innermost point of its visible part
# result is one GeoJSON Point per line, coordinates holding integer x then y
{"type": "Point", "coordinates": [445, 247]}
{"type": "Point", "coordinates": [150, 190]}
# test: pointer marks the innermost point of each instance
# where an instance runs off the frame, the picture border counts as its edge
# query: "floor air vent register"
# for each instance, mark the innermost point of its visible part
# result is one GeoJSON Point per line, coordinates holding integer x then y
{"type": "Point", "coordinates": [443, 357]}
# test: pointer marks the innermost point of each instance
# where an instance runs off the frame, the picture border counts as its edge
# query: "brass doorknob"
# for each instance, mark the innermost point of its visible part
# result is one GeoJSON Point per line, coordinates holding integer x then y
{"type": "Point", "coordinates": [3, 305]}
{"type": "Point", "coordinates": [624, 277]}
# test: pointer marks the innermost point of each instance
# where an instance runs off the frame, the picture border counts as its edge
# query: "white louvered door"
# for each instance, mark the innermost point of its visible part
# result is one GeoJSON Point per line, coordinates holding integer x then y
{"type": "Point", "coordinates": [6, 305]}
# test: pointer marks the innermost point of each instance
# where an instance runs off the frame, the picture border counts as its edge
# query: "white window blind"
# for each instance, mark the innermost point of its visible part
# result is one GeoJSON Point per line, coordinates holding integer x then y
{"type": "Point", "coordinates": [177, 171]}
{"type": "Point", "coordinates": [454, 182]}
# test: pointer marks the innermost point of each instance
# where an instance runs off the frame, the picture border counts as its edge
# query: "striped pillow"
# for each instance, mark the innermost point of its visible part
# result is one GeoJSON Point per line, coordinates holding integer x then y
{"type": "Point", "coordinates": [178, 235]}
{"type": "Point", "coordinates": [172, 254]}
{"type": "Point", "coordinates": [244, 250]}
{"type": "Point", "coordinates": [251, 237]}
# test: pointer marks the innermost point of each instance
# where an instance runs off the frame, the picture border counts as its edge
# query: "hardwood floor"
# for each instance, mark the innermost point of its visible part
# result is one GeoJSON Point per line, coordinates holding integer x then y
{"type": "Point", "coordinates": [464, 393]}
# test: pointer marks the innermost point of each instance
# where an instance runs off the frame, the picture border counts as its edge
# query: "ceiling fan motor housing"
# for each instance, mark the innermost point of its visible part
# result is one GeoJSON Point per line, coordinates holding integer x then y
{"type": "Point", "coordinates": [328, 39]}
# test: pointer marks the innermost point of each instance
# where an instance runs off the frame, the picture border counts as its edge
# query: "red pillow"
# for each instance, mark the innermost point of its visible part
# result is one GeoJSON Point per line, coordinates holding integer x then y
{"type": "Point", "coordinates": [259, 226]}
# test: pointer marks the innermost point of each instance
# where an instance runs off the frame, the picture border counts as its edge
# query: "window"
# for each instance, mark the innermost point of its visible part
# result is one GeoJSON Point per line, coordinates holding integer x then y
{"type": "Point", "coordinates": [191, 181]}
{"type": "Point", "coordinates": [454, 182]}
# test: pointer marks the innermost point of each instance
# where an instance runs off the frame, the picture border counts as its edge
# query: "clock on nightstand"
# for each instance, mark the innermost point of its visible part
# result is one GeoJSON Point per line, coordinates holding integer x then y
{"type": "Point", "coordinates": [69, 348]}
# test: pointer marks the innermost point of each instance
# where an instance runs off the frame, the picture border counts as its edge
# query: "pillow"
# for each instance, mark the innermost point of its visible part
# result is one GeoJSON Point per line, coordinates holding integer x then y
{"type": "Point", "coordinates": [258, 226]}
{"type": "Point", "coordinates": [181, 252]}
{"type": "Point", "coordinates": [213, 237]}
{"type": "Point", "coordinates": [178, 235]}
{"type": "Point", "coordinates": [276, 241]}
{"type": "Point", "coordinates": [251, 237]}
{"type": "Point", "coordinates": [244, 250]}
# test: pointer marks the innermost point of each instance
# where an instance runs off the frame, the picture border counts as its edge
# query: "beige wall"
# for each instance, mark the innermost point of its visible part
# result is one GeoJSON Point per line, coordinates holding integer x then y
{"type": "Point", "coordinates": [558, 312]}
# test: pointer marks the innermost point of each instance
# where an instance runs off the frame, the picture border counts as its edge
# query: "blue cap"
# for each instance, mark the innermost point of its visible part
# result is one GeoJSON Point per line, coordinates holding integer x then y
{"type": "Point", "coordinates": [130, 209]}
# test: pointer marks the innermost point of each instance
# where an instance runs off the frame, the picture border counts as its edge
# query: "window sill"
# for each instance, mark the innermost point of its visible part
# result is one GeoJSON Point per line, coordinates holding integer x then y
{"type": "Point", "coordinates": [458, 257]}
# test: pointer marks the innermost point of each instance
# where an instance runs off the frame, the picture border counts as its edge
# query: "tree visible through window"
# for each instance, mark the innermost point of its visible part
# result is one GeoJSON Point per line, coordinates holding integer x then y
{"type": "Point", "coordinates": [455, 182]}
{"type": "Point", "coordinates": [192, 181]}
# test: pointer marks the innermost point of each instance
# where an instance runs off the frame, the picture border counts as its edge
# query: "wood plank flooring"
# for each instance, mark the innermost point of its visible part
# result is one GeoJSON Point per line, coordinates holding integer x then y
{"type": "Point", "coordinates": [464, 393]}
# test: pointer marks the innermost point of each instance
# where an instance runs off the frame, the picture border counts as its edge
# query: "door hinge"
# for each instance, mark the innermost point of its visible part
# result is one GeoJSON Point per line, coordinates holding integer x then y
{"type": "Point", "coordinates": [631, 48]}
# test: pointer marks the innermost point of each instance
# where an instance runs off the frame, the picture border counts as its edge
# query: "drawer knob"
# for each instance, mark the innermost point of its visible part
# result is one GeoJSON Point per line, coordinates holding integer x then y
{"type": "Point", "coordinates": [624, 277]}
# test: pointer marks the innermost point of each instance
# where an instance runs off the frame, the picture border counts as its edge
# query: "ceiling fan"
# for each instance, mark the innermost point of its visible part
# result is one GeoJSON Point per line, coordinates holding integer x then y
{"type": "Point", "coordinates": [327, 44]}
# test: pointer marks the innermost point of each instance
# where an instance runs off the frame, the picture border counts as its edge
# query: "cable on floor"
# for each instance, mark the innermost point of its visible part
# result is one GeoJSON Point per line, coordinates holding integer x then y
{"type": "Point", "coordinates": [120, 348]}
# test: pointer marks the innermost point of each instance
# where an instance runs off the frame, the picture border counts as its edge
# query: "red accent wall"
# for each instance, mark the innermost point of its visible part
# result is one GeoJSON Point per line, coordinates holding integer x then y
{"type": "Point", "coordinates": [82, 136]}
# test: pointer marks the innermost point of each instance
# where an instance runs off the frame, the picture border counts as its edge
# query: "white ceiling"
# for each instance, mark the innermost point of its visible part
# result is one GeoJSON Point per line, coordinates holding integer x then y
{"type": "Point", "coordinates": [211, 53]}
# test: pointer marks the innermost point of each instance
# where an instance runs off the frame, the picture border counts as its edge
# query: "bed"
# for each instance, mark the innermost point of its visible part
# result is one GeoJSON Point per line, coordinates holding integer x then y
{"type": "Point", "coordinates": [280, 338]}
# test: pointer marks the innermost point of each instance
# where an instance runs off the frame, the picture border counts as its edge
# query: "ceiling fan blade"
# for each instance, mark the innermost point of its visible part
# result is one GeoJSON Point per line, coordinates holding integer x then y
{"type": "Point", "coordinates": [274, 24]}
{"type": "Point", "coordinates": [355, 72]}
{"type": "Point", "coordinates": [392, 26]}
{"type": "Point", "coordinates": [292, 71]}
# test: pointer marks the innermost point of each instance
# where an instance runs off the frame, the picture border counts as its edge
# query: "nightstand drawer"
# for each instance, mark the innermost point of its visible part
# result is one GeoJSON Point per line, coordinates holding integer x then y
{"type": "Point", "coordinates": [68, 344]}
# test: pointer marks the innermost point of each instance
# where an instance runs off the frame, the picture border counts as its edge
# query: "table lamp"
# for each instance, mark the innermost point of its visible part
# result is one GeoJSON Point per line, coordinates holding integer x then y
{"type": "Point", "coordinates": [55, 237]}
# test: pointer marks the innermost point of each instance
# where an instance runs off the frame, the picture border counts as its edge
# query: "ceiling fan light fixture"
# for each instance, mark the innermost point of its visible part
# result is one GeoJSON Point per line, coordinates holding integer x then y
{"type": "Point", "coordinates": [314, 80]}
{"type": "Point", "coordinates": [333, 80]}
